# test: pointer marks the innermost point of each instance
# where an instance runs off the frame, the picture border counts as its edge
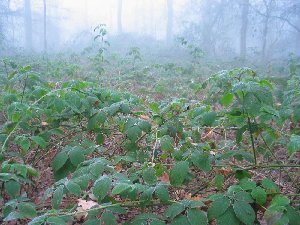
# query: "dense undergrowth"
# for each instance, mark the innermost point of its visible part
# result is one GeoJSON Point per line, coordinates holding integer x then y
{"type": "Point", "coordinates": [173, 148]}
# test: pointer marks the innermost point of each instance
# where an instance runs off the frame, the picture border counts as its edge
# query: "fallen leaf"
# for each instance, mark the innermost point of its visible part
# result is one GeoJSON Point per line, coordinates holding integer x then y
{"type": "Point", "coordinates": [165, 178]}
{"type": "Point", "coordinates": [86, 205]}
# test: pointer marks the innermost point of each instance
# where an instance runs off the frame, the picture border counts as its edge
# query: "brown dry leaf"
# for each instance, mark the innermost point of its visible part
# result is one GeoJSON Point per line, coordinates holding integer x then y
{"type": "Point", "coordinates": [190, 197]}
{"type": "Point", "coordinates": [224, 172]}
{"type": "Point", "coordinates": [118, 167]}
{"type": "Point", "coordinates": [85, 205]}
{"type": "Point", "coordinates": [44, 124]}
{"type": "Point", "coordinates": [144, 117]}
{"type": "Point", "coordinates": [165, 178]}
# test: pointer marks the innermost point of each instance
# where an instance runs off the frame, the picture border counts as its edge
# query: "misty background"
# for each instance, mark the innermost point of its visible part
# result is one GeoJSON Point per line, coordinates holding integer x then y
{"type": "Point", "coordinates": [261, 30]}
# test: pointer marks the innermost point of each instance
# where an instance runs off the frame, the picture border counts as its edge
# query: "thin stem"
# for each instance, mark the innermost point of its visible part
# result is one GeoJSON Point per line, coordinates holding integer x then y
{"type": "Point", "coordinates": [252, 140]}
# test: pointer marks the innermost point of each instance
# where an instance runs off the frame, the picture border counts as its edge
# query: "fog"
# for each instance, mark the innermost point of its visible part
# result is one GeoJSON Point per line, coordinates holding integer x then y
{"type": "Point", "coordinates": [221, 29]}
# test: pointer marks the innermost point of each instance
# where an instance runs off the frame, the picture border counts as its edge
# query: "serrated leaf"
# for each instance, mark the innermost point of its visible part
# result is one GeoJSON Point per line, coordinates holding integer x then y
{"type": "Point", "coordinates": [119, 188]}
{"type": "Point", "coordinates": [162, 193]}
{"type": "Point", "coordinates": [134, 133]}
{"type": "Point", "coordinates": [244, 212]}
{"type": "Point", "coordinates": [13, 216]}
{"type": "Point", "coordinates": [227, 99]}
{"type": "Point", "coordinates": [270, 186]}
{"type": "Point", "coordinates": [39, 141]}
{"type": "Point", "coordinates": [57, 197]}
{"type": "Point", "coordinates": [12, 187]}
{"type": "Point", "coordinates": [247, 184]}
{"type": "Point", "coordinates": [145, 126]}
{"type": "Point", "coordinates": [102, 187]}
{"type": "Point", "coordinates": [201, 161]}
{"type": "Point", "coordinates": [196, 217]}
{"type": "Point", "coordinates": [280, 200]}
{"type": "Point", "coordinates": [293, 215]}
{"type": "Point", "coordinates": [180, 220]}
{"type": "Point", "coordinates": [167, 143]}
{"type": "Point", "coordinates": [259, 195]}
{"type": "Point", "coordinates": [55, 221]}
{"type": "Point", "coordinates": [228, 217]}
{"type": "Point", "coordinates": [27, 210]}
{"type": "Point", "coordinates": [178, 173]}
{"type": "Point", "coordinates": [76, 155]}
{"type": "Point", "coordinates": [173, 210]}
{"type": "Point", "coordinates": [24, 143]}
{"type": "Point", "coordinates": [218, 207]}
{"type": "Point", "coordinates": [294, 144]}
{"type": "Point", "coordinates": [73, 188]}
{"type": "Point", "coordinates": [108, 218]}
{"type": "Point", "coordinates": [149, 176]}
{"type": "Point", "coordinates": [59, 160]}
{"type": "Point", "coordinates": [38, 220]}
{"type": "Point", "coordinates": [100, 138]}
{"type": "Point", "coordinates": [243, 196]}
{"type": "Point", "coordinates": [219, 181]}
{"type": "Point", "coordinates": [209, 118]}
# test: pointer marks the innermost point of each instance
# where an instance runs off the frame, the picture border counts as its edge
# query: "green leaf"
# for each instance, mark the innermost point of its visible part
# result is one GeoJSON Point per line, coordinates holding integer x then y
{"type": "Point", "coordinates": [12, 187]}
{"type": "Point", "coordinates": [259, 195]}
{"type": "Point", "coordinates": [102, 187]}
{"type": "Point", "coordinates": [244, 212]}
{"type": "Point", "coordinates": [145, 126]}
{"type": "Point", "coordinates": [27, 210]}
{"type": "Point", "coordinates": [174, 210]}
{"type": "Point", "coordinates": [280, 200]}
{"type": "Point", "coordinates": [178, 173]}
{"type": "Point", "coordinates": [243, 196]}
{"type": "Point", "coordinates": [39, 141]}
{"type": "Point", "coordinates": [228, 217]}
{"type": "Point", "coordinates": [59, 160]}
{"type": "Point", "coordinates": [53, 220]}
{"type": "Point", "coordinates": [167, 143]}
{"type": "Point", "coordinates": [57, 197]}
{"type": "Point", "coordinates": [196, 217]}
{"type": "Point", "coordinates": [149, 176]}
{"type": "Point", "coordinates": [270, 186]}
{"type": "Point", "coordinates": [73, 188]}
{"type": "Point", "coordinates": [247, 184]}
{"type": "Point", "coordinates": [201, 161]}
{"type": "Point", "coordinates": [108, 218]}
{"type": "Point", "coordinates": [162, 193]}
{"type": "Point", "coordinates": [134, 133]}
{"type": "Point", "coordinates": [219, 181]}
{"type": "Point", "coordinates": [95, 120]}
{"type": "Point", "coordinates": [219, 206]}
{"type": "Point", "coordinates": [40, 220]}
{"type": "Point", "coordinates": [180, 220]}
{"type": "Point", "coordinates": [100, 138]}
{"type": "Point", "coordinates": [119, 188]}
{"type": "Point", "coordinates": [154, 107]}
{"type": "Point", "coordinates": [76, 155]}
{"type": "Point", "coordinates": [209, 118]}
{"type": "Point", "coordinates": [294, 144]}
{"type": "Point", "coordinates": [24, 143]}
{"type": "Point", "coordinates": [13, 216]}
{"type": "Point", "coordinates": [293, 215]}
{"type": "Point", "coordinates": [227, 99]}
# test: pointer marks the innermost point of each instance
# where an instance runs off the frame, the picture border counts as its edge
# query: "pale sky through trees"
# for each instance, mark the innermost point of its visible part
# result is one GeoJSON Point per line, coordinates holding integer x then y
{"type": "Point", "coordinates": [138, 16]}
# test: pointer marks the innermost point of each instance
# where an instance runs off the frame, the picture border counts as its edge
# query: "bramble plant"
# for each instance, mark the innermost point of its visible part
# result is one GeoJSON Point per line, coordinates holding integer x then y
{"type": "Point", "coordinates": [159, 150]}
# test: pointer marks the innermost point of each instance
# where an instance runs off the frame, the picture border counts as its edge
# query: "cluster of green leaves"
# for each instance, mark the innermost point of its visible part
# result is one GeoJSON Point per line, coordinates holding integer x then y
{"type": "Point", "coordinates": [39, 114]}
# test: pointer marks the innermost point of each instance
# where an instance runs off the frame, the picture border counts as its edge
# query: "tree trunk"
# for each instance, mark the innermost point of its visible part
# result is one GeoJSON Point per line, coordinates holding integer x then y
{"type": "Point", "coordinates": [244, 29]}
{"type": "Point", "coordinates": [28, 25]}
{"type": "Point", "coordinates": [120, 9]}
{"type": "Point", "coordinates": [45, 25]}
{"type": "Point", "coordinates": [170, 20]}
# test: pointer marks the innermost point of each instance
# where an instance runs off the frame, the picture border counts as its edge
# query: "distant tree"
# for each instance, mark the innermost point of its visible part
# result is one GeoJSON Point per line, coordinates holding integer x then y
{"type": "Point", "coordinates": [244, 28]}
{"type": "Point", "coordinates": [170, 20]}
{"type": "Point", "coordinates": [28, 24]}
{"type": "Point", "coordinates": [120, 10]}
{"type": "Point", "coordinates": [45, 24]}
